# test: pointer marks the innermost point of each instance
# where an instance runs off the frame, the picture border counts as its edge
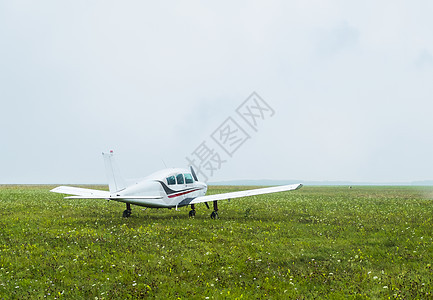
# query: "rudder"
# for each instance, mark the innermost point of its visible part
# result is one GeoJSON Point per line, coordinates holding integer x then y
{"type": "Point", "coordinates": [115, 180]}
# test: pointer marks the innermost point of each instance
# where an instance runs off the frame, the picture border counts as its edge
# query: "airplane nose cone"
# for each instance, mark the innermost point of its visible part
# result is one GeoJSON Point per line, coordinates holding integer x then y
{"type": "Point", "coordinates": [203, 186]}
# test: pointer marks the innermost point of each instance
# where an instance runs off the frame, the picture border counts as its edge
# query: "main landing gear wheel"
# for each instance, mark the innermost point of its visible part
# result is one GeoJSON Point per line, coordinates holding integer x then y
{"type": "Point", "coordinates": [214, 215]}
{"type": "Point", "coordinates": [127, 211]}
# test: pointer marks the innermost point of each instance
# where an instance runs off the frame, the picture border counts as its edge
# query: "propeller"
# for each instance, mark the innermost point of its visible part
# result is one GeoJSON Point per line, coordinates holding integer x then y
{"type": "Point", "coordinates": [193, 174]}
{"type": "Point", "coordinates": [196, 179]}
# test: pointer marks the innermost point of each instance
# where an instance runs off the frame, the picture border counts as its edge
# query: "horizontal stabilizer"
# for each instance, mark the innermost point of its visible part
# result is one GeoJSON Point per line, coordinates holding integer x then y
{"type": "Point", "coordinates": [85, 193]}
{"type": "Point", "coordinates": [82, 193]}
{"type": "Point", "coordinates": [116, 197]}
{"type": "Point", "coordinates": [247, 193]}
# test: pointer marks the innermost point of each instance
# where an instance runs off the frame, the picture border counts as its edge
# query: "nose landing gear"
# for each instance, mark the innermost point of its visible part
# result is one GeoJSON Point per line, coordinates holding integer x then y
{"type": "Point", "coordinates": [192, 211]}
{"type": "Point", "coordinates": [213, 215]}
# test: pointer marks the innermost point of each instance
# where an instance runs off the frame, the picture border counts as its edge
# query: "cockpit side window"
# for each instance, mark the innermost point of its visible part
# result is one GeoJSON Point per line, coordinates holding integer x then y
{"type": "Point", "coordinates": [188, 178]}
{"type": "Point", "coordinates": [179, 178]}
{"type": "Point", "coordinates": [171, 180]}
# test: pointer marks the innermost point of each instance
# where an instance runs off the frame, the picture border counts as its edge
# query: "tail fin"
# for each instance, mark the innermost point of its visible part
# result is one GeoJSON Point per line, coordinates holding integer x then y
{"type": "Point", "coordinates": [115, 180]}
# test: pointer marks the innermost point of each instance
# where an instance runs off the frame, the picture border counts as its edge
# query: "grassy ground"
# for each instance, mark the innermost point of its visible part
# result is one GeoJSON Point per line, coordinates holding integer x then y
{"type": "Point", "coordinates": [335, 242]}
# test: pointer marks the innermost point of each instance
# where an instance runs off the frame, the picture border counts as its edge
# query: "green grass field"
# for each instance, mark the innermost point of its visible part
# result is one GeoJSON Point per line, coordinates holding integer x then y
{"type": "Point", "coordinates": [317, 242]}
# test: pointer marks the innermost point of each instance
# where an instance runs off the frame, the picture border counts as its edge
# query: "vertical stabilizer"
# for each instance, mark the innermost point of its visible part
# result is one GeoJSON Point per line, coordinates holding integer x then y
{"type": "Point", "coordinates": [115, 181]}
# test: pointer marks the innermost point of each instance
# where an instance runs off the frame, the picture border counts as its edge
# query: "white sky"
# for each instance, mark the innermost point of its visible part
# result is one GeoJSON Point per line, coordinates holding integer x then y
{"type": "Point", "coordinates": [351, 85]}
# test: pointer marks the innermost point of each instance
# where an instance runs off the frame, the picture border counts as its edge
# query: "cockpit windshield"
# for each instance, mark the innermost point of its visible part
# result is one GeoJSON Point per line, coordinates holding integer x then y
{"type": "Point", "coordinates": [180, 179]}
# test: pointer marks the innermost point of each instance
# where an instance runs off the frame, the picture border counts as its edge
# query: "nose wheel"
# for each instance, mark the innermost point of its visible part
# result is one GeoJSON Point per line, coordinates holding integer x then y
{"type": "Point", "coordinates": [192, 211]}
{"type": "Point", "coordinates": [213, 215]}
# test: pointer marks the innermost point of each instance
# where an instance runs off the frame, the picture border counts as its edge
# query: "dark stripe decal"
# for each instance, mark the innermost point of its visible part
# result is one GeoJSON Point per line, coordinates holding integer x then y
{"type": "Point", "coordinates": [167, 190]}
{"type": "Point", "coordinates": [182, 193]}
{"type": "Point", "coordinates": [171, 194]}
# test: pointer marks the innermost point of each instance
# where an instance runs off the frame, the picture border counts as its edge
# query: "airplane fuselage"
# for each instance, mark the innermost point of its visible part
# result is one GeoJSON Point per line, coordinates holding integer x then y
{"type": "Point", "coordinates": [174, 187]}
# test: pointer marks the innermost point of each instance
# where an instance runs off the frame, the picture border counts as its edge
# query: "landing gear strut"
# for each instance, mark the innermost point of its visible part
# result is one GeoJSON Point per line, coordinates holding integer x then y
{"type": "Point", "coordinates": [127, 212]}
{"type": "Point", "coordinates": [214, 214]}
{"type": "Point", "coordinates": [192, 211]}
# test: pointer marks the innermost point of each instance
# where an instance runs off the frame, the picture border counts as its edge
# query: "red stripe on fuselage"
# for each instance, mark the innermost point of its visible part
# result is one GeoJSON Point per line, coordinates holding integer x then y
{"type": "Point", "coordinates": [182, 193]}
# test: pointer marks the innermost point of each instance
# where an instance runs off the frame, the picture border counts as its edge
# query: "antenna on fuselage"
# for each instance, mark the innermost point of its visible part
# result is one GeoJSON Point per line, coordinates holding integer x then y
{"type": "Point", "coordinates": [164, 163]}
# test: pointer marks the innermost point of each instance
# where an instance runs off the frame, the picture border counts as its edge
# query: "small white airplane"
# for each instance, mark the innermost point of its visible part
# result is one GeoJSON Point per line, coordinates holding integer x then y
{"type": "Point", "coordinates": [168, 188]}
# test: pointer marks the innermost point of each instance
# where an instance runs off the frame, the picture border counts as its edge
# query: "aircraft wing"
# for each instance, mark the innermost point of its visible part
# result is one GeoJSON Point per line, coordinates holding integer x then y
{"type": "Point", "coordinates": [246, 193]}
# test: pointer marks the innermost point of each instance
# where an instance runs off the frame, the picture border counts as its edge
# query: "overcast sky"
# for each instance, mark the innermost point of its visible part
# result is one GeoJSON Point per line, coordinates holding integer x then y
{"type": "Point", "coordinates": [350, 85]}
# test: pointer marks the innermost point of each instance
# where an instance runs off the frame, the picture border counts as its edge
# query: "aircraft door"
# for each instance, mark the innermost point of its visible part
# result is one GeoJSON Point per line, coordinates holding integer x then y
{"type": "Point", "coordinates": [180, 180]}
{"type": "Point", "coordinates": [188, 179]}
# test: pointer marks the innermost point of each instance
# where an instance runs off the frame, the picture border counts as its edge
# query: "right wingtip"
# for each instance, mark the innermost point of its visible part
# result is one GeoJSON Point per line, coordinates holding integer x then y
{"type": "Point", "coordinates": [56, 189]}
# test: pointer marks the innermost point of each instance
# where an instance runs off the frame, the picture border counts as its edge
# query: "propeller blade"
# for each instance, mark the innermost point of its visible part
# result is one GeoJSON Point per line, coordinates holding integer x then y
{"type": "Point", "coordinates": [193, 174]}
